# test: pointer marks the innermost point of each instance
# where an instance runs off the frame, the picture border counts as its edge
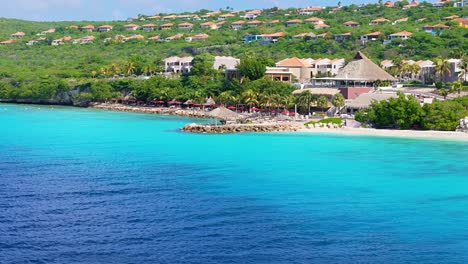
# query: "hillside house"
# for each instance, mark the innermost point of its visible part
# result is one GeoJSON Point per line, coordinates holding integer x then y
{"type": "Point", "coordinates": [87, 28]}
{"type": "Point", "coordinates": [238, 24]}
{"type": "Point", "coordinates": [185, 25]}
{"type": "Point", "coordinates": [148, 27]}
{"type": "Point", "coordinates": [104, 28]}
{"type": "Point", "coordinates": [379, 21]}
{"type": "Point", "coordinates": [166, 26]}
{"type": "Point", "coordinates": [309, 10]}
{"type": "Point", "coordinates": [314, 20]}
{"type": "Point", "coordinates": [178, 64]}
{"type": "Point", "coordinates": [371, 36]}
{"type": "Point", "coordinates": [351, 24]}
{"type": "Point", "coordinates": [293, 22]}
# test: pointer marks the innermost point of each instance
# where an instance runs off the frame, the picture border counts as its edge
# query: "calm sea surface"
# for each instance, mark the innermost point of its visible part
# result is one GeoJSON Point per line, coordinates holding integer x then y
{"type": "Point", "coordinates": [88, 186]}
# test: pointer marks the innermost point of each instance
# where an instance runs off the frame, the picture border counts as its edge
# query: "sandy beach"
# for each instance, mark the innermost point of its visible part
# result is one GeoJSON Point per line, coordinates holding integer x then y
{"type": "Point", "coordinates": [435, 135]}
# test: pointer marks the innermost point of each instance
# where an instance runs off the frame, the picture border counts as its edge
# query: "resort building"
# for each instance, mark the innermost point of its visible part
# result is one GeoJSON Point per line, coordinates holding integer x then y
{"type": "Point", "coordinates": [274, 37]}
{"type": "Point", "coordinates": [279, 74]}
{"type": "Point", "coordinates": [104, 28]}
{"type": "Point", "coordinates": [309, 10]}
{"type": "Point", "coordinates": [358, 76]}
{"type": "Point", "coordinates": [435, 29]}
{"type": "Point", "coordinates": [305, 69]}
{"type": "Point", "coordinates": [178, 64]}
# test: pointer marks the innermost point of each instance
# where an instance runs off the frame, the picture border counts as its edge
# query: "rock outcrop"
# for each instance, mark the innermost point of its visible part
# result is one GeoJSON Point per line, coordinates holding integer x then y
{"type": "Point", "coordinates": [240, 128]}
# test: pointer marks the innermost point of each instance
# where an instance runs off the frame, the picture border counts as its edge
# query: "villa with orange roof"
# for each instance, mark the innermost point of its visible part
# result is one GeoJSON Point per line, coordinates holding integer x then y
{"type": "Point", "coordinates": [238, 24]}
{"type": "Point", "coordinates": [155, 38]}
{"type": "Point", "coordinates": [148, 27]}
{"type": "Point", "coordinates": [104, 28]}
{"type": "Point", "coordinates": [321, 26]}
{"type": "Point", "coordinates": [209, 25]}
{"type": "Point", "coordinates": [60, 41]}
{"type": "Point", "coordinates": [134, 37]}
{"type": "Point", "coordinates": [389, 4]}
{"type": "Point", "coordinates": [400, 35]}
{"type": "Point", "coordinates": [462, 22]}
{"type": "Point", "coordinates": [18, 35]}
{"type": "Point", "coordinates": [154, 17]}
{"type": "Point", "coordinates": [45, 32]}
{"type": "Point", "coordinates": [451, 17]}
{"type": "Point", "coordinates": [250, 15]}
{"type": "Point", "coordinates": [352, 24]}
{"type": "Point", "coordinates": [309, 10]}
{"type": "Point", "coordinates": [379, 21]}
{"type": "Point", "coordinates": [305, 69]}
{"type": "Point", "coordinates": [401, 20]}
{"type": "Point", "coordinates": [131, 27]}
{"type": "Point", "coordinates": [197, 37]}
{"type": "Point", "coordinates": [273, 37]}
{"type": "Point", "coordinates": [434, 29]}
{"type": "Point", "coordinates": [166, 18]}
{"type": "Point", "coordinates": [87, 28]}
{"type": "Point", "coordinates": [166, 26]}
{"type": "Point", "coordinates": [185, 25]}
{"type": "Point", "coordinates": [371, 36]}
{"type": "Point", "coordinates": [254, 23]}
{"type": "Point", "coordinates": [225, 16]}
{"type": "Point", "coordinates": [293, 22]}
{"type": "Point", "coordinates": [315, 20]}
{"type": "Point", "coordinates": [84, 40]}
{"type": "Point", "coordinates": [176, 36]}
{"type": "Point", "coordinates": [413, 3]}
{"type": "Point", "coordinates": [7, 42]}
{"type": "Point", "coordinates": [342, 37]}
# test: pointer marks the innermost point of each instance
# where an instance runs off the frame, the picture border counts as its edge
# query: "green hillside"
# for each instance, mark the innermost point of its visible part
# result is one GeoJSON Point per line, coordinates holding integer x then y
{"type": "Point", "coordinates": [22, 65]}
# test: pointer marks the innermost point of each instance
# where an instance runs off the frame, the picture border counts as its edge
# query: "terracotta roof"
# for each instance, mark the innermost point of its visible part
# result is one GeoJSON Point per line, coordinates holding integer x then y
{"type": "Point", "coordinates": [389, 4]}
{"type": "Point", "coordinates": [463, 21]}
{"type": "Point", "coordinates": [294, 21]}
{"type": "Point", "coordinates": [274, 21]}
{"type": "Point", "coordinates": [154, 38]}
{"type": "Point", "coordinates": [322, 25]}
{"type": "Point", "coordinates": [18, 34]}
{"type": "Point", "coordinates": [376, 33]}
{"type": "Point", "coordinates": [313, 19]}
{"type": "Point", "coordinates": [131, 26]}
{"type": "Point", "coordinates": [169, 17]}
{"type": "Point", "coordinates": [239, 22]}
{"type": "Point", "coordinates": [167, 25]}
{"type": "Point", "coordinates": [402, 20]}
{"type": "Point", "coordinates": [154, 17]}
{"type": "Point", "coordinates": [451, 17]}
{"type": "Point", "coordinates": [10, 41]}
{"type": "Point", "coordinates": [87, 27]}
{"type": "Point", "coordinates": [402, 33]}
{"type": "Point", "coordinates": [254, 22]}
{"type": "Point", "coordinates": [201, 36]}
{"type": "Point", "coordinates": [379, 20]}
{"type": "Point", "coordinates": [291, 62]}
{"type": "Point", "coordinates": [351, 23]}
{"type": "Point", "coordinates": [105, 26]}
{"type": "Point", "coordinates": [149, 25]}
{"type": "Point", "coordinates": [254, 12]}
{"type": "Point", "coordinates": [311, 8]}
{"type": "Point", "coordinates": [278, 35]}
{"type": "Point", "coordinates": [185, 24]}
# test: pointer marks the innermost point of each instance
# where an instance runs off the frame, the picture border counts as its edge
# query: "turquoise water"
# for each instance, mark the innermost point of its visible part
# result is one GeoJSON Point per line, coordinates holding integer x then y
{"type": "Point", "coordinates": [88, 186]}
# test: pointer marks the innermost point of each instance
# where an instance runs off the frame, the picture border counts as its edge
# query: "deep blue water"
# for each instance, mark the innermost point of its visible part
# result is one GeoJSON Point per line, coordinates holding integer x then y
{"type": "Point", "coordinates": [88, 186]}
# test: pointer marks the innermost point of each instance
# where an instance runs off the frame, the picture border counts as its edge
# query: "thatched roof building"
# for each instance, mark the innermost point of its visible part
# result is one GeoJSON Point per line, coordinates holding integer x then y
{"type": "Point", "coordinates": [223, 113]}
{"type": "Point", "coordinates": [362, 68]}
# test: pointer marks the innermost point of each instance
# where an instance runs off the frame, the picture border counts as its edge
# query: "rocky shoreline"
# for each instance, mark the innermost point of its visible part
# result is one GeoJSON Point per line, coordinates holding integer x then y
{"type": "Point", "coordinates": [240, 128]}
{"type": "Point", "coordinates": [151, 110]}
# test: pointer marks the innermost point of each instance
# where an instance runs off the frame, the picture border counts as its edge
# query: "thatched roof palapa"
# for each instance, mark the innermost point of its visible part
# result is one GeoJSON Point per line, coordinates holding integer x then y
{"type": "Point", "coordinates": [363, 69]}
{"type": "Point", "coordinates": [225, 114]}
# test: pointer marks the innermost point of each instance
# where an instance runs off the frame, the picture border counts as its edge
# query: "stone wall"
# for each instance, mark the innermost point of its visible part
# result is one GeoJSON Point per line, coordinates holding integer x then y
{"type": "Point", "coordinates": [240, 128]}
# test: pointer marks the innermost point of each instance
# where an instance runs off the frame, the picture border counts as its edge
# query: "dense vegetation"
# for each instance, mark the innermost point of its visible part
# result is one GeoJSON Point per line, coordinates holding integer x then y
{"type": "Point", "coordinates": [405, 112]}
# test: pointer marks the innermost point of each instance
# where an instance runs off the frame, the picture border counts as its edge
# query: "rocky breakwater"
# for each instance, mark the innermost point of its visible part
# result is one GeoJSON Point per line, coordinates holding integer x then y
{"type": "Point", "coordinates": [151, 110]}
{"type": "Point", "coordinates": [240, 128]}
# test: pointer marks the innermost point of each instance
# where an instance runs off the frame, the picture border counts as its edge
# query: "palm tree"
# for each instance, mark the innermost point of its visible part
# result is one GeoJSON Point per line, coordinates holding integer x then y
{"type": "Point", "coordinates": [338, 100]}
{"type": "Point", "coordinates": [130, 68]}
{"type": "Point", "coordinates": [114, 69]}
{"type": "Point", "coordinates": [457, 87]}
{"type": "Point", "coordinates": [442, 67]}
{"type": "Point", "coordinates": [322, 102]}
{"type": "Point", "coordinates": [226, 97]}
{"type": "Point", "coordinates": [464, 67]}
{"type": "Point", "coordinates": [443, 92]}
{"type": "Point", "coordinates": [305, 98]}
{"type": "Point", "coordinates": [249, 97]}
